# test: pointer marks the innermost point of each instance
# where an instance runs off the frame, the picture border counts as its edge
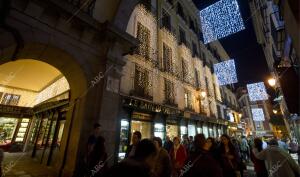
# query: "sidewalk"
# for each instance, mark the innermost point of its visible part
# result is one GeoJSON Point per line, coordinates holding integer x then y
{"type": "Point", "coordinates": [22, 165]}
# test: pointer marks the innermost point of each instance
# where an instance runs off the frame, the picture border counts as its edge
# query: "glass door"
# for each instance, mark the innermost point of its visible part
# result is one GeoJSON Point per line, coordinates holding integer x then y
{"type": "Point", "coordinates": [124, 134]}
{"type": "Point", "coordinates": [159, 131]}
{"type": "Point", "coordinates": [142, 126]}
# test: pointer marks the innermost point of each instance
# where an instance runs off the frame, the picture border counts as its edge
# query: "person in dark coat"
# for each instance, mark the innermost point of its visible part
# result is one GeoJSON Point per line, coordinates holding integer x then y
{"type": "Point", "coordinates": [201, 162]}
{"type": "Point", "coordinates": [136, 138]}
{"type": "Point", "coordinates": [168, 144]}
{"type": "Point", "coordinates": [139, 165]}
{"type": "Point", "coordinates": [259, 165]}
{"type": "Point", "coordinates": [96, 153]}
{"type": "Point", "coordinates": [229, 158]}
{"type": "Point", "coordinates": [162, 167]}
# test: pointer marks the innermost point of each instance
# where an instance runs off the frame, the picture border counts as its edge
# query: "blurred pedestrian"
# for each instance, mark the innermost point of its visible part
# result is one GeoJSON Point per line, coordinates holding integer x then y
{"type": "Point", "coordinates": [136, 138]}
{"type": "Point", "coordinates": [229, 157]}
{"type": "Point", "coordinates": [201, 163]}
{"type": "Point", "coordinates": [96, 153]}
{"type": "Point", "coordinates": [139, 165]}
{"type": "Point", "coordinates": [259, 165]}
{"type": "Point", "coordinates": [168, 144]}
{"type": "Point", "coordinates": [162, 167]}
{"type": "Point", "coordinates": [178, 156]}
{"type": "Point", "coordinates": [278, 162]}
{"type": "Point", "coordinates": [282, 144]}
{"type": "Point", "coordinates": [293, 146]}
{"type": "Point", "coordinates": [186, 142]}
{"type": "Point", "coordinates": [244, 147]}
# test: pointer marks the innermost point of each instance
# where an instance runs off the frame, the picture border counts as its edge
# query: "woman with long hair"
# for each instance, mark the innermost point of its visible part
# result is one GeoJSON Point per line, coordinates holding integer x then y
{"type": "Point", "coordinates": [228, 157]}
{"type": "Point", "coordinates": [259, 165]}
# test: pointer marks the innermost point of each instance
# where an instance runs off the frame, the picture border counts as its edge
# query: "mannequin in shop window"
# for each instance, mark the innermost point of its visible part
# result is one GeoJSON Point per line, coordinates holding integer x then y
{"type": "Point", "coordinates": [136, 138]}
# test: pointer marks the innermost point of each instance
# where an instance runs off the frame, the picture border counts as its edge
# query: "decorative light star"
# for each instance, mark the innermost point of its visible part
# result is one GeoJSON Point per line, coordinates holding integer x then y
{"type": "Point", "coordinates": [258, 114]}
{"type": "Point", "coordinates": [226, 72]}
{"type": "Point", "coordinates": [220, 20]}
{"type": "Point", "coordinates": [257, 91]}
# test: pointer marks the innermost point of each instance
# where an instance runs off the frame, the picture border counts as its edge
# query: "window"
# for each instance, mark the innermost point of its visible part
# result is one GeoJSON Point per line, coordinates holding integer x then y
{"type": "Point", "coordinates": [10, 99]}
{"type": "Point", "coordinates": [167, 58]}
{"type": "Point", "coordinates": [195, 51]}
{"type": "Point", "coordinates": [166, 20]}
{"type": "Point", "coordinates": [141, 82]}
{"type": "Point", "coordinates": [169, 92]}
{"type": "Point", "coordinates": [197, 78]}
{"type": "Point", "coordinates": [180, 11]}
{"type": "Point", "coordinates": [182, 39]}
{"type": "Point", "coordinates": [184, 71]}
{"type": "Point", "coordinates": [187, 99]}
{"type": "Point", "coordinates": [192, 25]}
{"type": "Point", "coordinates": [143, 35]}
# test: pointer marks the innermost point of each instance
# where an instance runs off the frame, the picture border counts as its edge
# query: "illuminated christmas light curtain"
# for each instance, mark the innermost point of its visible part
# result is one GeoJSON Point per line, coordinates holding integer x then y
{"type": "Point", "coordinates": [257, 91]}
{"type": "Point", "coordinates": [143, 35]}
{"type": "Point", "coordinates": [258, 114]}
{"type": "Point", "coordinates": [226, 72]}
{"type": "Point", "coordinates": [220, 19]}
{"type": "Point", "coordinates": [167, 58]}
{"type": "Point", "coordinates": [142, 81]}
{"type": "Point", "coordinates": [169, 91]}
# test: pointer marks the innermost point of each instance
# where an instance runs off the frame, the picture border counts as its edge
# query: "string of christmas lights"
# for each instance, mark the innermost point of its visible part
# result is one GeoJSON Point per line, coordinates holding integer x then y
{"type": "Point", "coordinates": [226, 72]}
{"type": "Point", "coordinates": [257, 91]}
{"type": "Point", "coordinates": [220, 19]}
{"type": "Point", "coordinates": [258, 114]}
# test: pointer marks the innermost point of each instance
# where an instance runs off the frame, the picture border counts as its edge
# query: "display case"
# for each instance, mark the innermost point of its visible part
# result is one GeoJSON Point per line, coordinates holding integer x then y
{"type": "Point", "coordinates": [124, 131]}
{"type": "Point", "coordinates": [7, 129]}
{"type": "Point", "coordinates": [22, 130]}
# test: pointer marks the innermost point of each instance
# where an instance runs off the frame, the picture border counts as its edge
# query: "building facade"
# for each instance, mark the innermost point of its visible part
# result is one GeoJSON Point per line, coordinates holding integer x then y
{"type": "Point", "coordinates": [279, 37]}
{"type": "Point", "coordinates": [168, 87]}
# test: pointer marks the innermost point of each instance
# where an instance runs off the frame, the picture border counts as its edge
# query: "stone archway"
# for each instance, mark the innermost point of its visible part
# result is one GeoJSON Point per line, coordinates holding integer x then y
{"type": "Point", "coordinates": [78, 79]}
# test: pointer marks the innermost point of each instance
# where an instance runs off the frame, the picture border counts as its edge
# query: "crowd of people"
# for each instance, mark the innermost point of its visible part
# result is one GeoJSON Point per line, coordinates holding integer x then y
{"type": "Point", "coordinates": [197, 156]}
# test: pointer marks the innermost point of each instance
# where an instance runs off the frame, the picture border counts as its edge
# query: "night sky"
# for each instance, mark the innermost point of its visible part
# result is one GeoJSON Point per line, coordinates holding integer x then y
{"type": "Point", "coordinates": [243, 47]}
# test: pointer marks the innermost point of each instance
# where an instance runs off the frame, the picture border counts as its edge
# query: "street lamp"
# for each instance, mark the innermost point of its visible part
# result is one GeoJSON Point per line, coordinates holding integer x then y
{"type": "Point", "coordinates": [272, 82]}
{"type": "Point", "coordinates": [240, 115]}
{"type": "Point", "coordinates": [275, 111]}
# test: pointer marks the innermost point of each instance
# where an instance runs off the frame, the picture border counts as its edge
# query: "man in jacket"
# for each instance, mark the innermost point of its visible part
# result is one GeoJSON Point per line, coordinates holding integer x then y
{"type": "Point", "coordinates": [278, 162]}
{"type": "Point", "coordinates": [136, 138]}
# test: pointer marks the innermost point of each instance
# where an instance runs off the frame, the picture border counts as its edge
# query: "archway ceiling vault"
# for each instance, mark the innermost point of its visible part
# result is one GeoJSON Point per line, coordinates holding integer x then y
{"type": "Point", "coordinates": [28, 74]}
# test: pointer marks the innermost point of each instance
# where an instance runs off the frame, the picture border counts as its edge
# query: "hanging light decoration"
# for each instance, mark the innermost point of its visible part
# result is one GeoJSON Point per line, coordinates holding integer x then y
{"type": "Point", "coordinates": [258, 114]}
{"type": "Point", "coordinates": [225, 72]}
{"type": "Point", "coordinates": [257, 91]}
{"type": "Point", "coordinates": [221, 19]}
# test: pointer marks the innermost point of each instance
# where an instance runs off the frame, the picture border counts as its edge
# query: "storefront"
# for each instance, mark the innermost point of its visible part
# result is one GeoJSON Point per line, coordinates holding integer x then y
{"type": "Point", "coordinates": [161, 121]}
{"type": "Point", "coordinates": [14, 127]}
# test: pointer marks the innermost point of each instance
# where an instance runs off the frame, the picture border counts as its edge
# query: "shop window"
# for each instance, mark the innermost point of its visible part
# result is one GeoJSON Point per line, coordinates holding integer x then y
{"type": "Point", "coordinates": [22, 130]}
{"type": "Point", "coordinates": [143, 127]}
{"type": "Point", "coordinates": [143, 35]}
{"type": "Point", "coordinates": [169, 92]}
{"type": "Point", "coordinates": [172, 131]}
{"type": "Point", "coordinates": [7, 128]}
{"type": "Point", "coordinates": [191, 130]}
{"type": "Point", "coordinates": [159, 130]}
{"type": "Point", "coordinates": [124, 134]}
{"type": "Point", "coordinates": [167, 58]}
{"type": "Point", "coordinates": [10, 99]}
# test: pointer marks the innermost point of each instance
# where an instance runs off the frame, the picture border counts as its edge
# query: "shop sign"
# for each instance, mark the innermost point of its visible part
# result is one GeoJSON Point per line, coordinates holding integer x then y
{"type": "Point", "coordinates": [15, 110]}
{"type": "Point", "coordinates": [149, 106]}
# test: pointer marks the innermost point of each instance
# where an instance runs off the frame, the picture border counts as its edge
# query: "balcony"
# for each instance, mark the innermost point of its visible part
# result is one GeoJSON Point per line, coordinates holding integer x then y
{"type": "Point", "coordinates": [142, 93]}
{"type": "Point", "coordinates": [170, 102]}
